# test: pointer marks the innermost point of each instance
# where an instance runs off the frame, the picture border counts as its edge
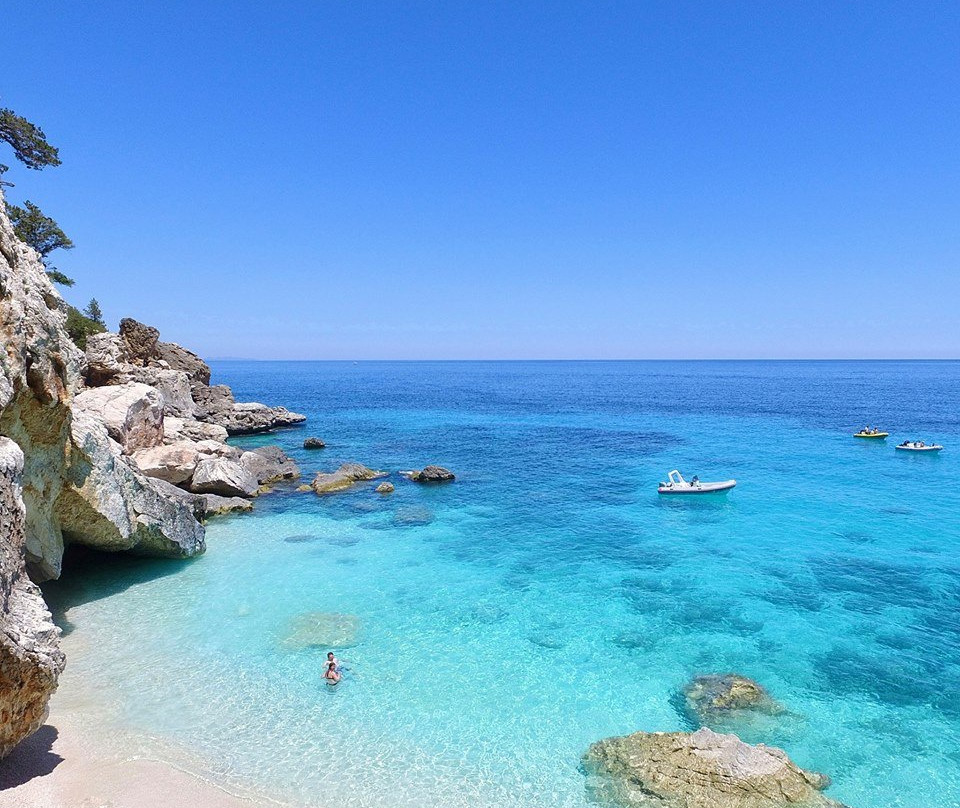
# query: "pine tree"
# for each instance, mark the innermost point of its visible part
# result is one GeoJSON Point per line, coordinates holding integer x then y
{"type": "Point", "coordinates": [93, 312]}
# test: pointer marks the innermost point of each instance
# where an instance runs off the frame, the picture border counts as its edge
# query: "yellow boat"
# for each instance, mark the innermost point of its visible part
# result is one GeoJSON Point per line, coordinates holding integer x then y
{"type": "Point", "coordinates": [878, 435]}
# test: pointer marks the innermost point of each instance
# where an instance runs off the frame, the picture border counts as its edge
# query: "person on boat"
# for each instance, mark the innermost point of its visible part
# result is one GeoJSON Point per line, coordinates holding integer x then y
{"type": "Point", "coordinates": [695, 480]}
{"type": "Point", "coordinates": [332, 675]}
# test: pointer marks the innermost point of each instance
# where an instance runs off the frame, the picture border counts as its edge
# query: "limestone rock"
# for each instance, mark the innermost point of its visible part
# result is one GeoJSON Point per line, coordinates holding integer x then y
{"type": "Point", "coordinates": [322, 630]}
{"type": "Point", "coordinates": [385, 488]}
{"type": "Point", "coordinates": [432, 474]}
{"type": "Point", "coordinates": [139, 341]}
{"type": "Point", "coordinates": [703, 769]}
{"type": "Point", "coordinates": [213, 448]}
{"type": "Point", "coordinates": [105, 359]}
{"type": "Point", "coordinates": [224, 477]}
{"type": "Point", "coordinates": [715, 696]}
{"type": "Point", "coordinates": [30, 657]}
{"type": "Point", "coordinates": [216, 505]}
{"type": "Point", "coordinates": [132, 413]}
{"type": "Point", "coordinates": [173, 386]}
{"type": "Point", "coordinates": [175, 429]}
{"type": "Point", "coordinates": [174, 463]}
{"type": "Point", "coordinates": [179, 358]}
{"type": "Point", "coordinates": [343, 478]}
{"type": "Point", "coordinates": [110, 505]}
{"type": "Point", "coordinates": [270, 464]}
{"type": "Point", "coordinates": [314, 443]}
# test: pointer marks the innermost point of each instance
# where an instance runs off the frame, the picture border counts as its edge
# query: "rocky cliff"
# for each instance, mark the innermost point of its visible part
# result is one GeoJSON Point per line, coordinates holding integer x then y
{"type": "Point", "coordinates": [88, 444]}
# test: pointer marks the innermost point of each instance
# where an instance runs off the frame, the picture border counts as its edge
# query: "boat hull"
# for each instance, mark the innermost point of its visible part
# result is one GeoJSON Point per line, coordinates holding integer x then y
{"type": "Point", "coordinates": [877, 436]}
{"type": "Point", "coordinates": [687, 489]}
{"type": "Point", "coordinates": [933, 449]}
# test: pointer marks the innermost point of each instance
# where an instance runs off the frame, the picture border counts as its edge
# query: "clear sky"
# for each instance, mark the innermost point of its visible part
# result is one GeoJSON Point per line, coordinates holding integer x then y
{"type": "Point", "coordinates": [503, 179]}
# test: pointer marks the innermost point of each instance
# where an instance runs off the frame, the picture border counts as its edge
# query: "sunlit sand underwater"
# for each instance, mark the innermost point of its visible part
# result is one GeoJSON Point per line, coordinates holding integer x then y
{"type": "Point", "coordinates": [492, 628]}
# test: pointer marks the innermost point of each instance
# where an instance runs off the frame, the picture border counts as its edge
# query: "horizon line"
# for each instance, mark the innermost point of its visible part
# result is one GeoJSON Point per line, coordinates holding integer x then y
{"type": "Point", "coordinates": [717, 359]}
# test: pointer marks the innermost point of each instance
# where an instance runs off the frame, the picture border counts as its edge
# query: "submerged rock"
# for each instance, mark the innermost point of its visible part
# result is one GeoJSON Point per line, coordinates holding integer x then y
{"type": "Point", "coordinates": [702, 769]}
{"type": "Point", "coordinates": [412, 517]}
{"type": "Point", "coordinates": [314, 443]}
{"type": "Point", "coordinates": [716, 696]}
{"type": "Point", "coordinates": [432, 474]}
{"type": "Point", "coordinates": [343, 478]}
{"type": "Point", "coordinates": [322, 630]}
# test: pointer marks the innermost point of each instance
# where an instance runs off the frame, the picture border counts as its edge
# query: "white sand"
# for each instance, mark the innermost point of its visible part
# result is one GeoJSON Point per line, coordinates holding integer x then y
{"type": "Point", "coordinates": [75, 761]}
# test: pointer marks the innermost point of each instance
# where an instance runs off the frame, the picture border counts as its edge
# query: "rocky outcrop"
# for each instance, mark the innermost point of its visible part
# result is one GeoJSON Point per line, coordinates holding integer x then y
{"type": "Point", "coordinates": [713, 697]}
{"type": "Point", "coordinates": [108, 504]}
{"type": "Point", "coordinates": [227, 478]}
{"type": "Point", "coordinates": [343, 478]}
{"type": "Point", "coordinates": [137, 355]}
{"type": "Point", "coordinates": [132, 413]}
{"type": "Point", "coordinates": [432, 474]}
{"type": "Point", "coordinates": [703, 769]}
{"type": "Point", "coordinates": [30, 658]}
{"type": "Point", "coordinates": [314, 443]}
{"type": "Point", "coordinates": [175, 429]}
{"type": "Point", "coordinates": [216, 405]}
{"type": "Point", "coordinates": [385, 488]}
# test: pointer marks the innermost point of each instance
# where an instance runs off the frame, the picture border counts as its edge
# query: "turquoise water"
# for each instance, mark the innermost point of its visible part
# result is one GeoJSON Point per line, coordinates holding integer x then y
{"type": "Point", "coordinates": [549, 598]}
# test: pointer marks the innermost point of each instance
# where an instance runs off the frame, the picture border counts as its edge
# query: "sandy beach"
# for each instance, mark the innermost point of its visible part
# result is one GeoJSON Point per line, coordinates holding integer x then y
{"type": "Point", "coordinates": [73, 761]}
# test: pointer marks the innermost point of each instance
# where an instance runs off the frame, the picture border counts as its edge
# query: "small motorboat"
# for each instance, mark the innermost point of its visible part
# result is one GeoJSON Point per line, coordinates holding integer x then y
{"type": "Point", "coordinates": [677, 485]}
{"type": "Point", "coordinates": [918, 446]}
{"type": "Point", "coordinates": [871, 433]}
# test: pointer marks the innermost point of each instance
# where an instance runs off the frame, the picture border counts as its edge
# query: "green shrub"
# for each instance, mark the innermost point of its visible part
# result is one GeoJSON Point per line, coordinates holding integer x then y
{"type": "Point", "coordinates": [80, 327]}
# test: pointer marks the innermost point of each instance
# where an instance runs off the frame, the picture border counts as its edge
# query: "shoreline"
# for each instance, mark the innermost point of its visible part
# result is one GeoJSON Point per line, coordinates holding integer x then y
{"type": "Point", "coordinates": [77, 758]}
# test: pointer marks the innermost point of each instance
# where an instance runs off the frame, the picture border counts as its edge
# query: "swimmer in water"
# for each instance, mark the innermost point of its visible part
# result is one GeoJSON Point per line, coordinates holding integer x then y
{"type": "Point", "coordinates": [332, 675]}
{"type": "Point", "coordinates": [334, 660]}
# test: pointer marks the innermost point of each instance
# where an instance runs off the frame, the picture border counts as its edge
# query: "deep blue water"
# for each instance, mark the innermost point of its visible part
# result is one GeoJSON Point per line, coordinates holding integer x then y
{"type": "Point", "coordinates": [549, 597]}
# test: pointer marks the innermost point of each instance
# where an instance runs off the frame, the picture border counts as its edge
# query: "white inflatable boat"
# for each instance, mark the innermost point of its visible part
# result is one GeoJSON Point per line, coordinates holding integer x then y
{"type": "Point", "coordinates": [677, 485]}
{"type": "Point", "coordinates": [918, 446]}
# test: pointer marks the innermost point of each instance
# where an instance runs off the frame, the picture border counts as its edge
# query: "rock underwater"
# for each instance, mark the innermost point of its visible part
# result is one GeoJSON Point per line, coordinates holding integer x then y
{"type": "Point", "coordinates": [343, 478]}
{"type": "Point", "coordinates": [703, 769]}
{"type": "Point", "coordinates": [719, 697]}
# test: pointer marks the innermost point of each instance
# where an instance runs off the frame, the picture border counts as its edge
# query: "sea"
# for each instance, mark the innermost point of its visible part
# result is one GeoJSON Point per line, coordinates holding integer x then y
{"type": "Point", "coordinates": [492, 628]}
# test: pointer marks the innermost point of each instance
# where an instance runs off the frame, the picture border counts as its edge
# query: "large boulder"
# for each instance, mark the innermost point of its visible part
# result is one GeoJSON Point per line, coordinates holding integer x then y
{"type": "Point", "coordinates": [703, 769]}
{"type": "Point", "coordinates": [139, 341]}
{"type": "Point", "coordinates": [174, 463]}
{"type": "Point", "coordinates": [108, 504]}
{"type": "Point", "coordinates": [314, 443]}
{"type": "Point", "coordinates": [717, 697]}
{"type": "Point", "coordinates": [343, 478]}
{"type": "Point", "coordinates": [432, 474]}
{"type": "Point", "coordinates": [173, 386]}
{"type": "Point", "coordinates": [175, 429]}
{"type": "Point", "coordinates": [132, 413]}
{"type": "Point", "coordinates": [270, 464]}
{"type": "Point", "coordinates": [179, 358]}
{"type": "Point", "coordinates": [224, 477]}
{"type": "Point", "coordinates": [105, 359]}
{"type": "Point", "coordinates": [30, 657]}
{"type": "Point", "coordinates": [203, 506]}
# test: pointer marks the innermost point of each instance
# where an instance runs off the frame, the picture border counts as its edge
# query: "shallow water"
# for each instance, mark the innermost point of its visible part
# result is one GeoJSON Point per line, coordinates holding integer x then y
{"type": "Point", "coordinates": [549, 597]}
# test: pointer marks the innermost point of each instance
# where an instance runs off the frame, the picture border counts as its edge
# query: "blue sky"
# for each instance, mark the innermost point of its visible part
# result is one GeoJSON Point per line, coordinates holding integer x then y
{"type": "Point", "coordinates": [503, 179]}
